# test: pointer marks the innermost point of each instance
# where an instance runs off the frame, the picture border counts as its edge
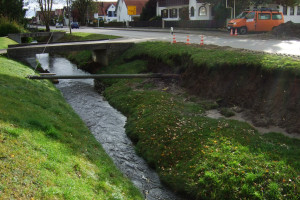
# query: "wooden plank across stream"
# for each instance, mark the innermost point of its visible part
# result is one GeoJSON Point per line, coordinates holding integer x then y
{"type": "Point", "coordinates": [101, 76]}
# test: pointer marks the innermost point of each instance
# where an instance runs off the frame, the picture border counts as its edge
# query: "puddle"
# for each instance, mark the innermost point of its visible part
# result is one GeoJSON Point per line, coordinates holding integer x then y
{"type": "Point", "coordinates": [215, 114]}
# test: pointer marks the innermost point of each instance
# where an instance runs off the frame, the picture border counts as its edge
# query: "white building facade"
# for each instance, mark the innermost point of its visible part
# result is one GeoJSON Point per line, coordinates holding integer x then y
{"type": "Point", "coordinates": [170, 10]}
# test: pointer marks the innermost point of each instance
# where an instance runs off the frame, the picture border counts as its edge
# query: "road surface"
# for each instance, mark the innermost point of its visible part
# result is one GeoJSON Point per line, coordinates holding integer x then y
{"type": "Point", "coordinates": [220, 38]}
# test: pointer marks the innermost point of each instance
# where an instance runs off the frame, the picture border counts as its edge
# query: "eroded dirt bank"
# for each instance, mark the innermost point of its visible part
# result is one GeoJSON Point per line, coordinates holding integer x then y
{"type": "Point", "coordinates": [271, 98]}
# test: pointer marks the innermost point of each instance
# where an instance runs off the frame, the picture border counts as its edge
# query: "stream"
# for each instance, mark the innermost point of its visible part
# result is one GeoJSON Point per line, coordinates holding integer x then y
{"type": "Point", "coordinates": [107, 126]}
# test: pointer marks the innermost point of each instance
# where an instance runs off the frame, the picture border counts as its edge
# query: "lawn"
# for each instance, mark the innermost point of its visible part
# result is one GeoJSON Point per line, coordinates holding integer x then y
{"type": "Point", "coordinates": [213, 57]}
{"type": "Point", "coordinates": [4, 42]}
{"type": "Point", "coordinates": [46, 151]}
{"type": "Point", "coordinates": [78, 36]}
{"type": "Point", "coordinates": [197, 156]}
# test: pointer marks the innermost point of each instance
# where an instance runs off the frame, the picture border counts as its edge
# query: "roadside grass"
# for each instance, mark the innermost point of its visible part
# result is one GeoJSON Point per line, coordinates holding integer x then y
{"type": "Point", "coordinates": [181, 55]}
{"type": "Point", "coordinates": [78, 36]}
{"type": "Point", "coordinates": [202, 157]}
{"type": "Point", "coordinates": [46, 151]}
{"type": "Point", "coordinates": [4, 42]}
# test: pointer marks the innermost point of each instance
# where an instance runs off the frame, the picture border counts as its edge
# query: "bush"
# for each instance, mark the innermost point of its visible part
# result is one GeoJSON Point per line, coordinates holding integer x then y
{"type": "Point", "coordinates": [7, 26]}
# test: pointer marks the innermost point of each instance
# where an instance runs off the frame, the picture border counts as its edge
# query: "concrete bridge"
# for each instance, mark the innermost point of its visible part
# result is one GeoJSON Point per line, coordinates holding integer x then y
{"type": "Point", "coordinates": [54, 36]}
{"type": "Point", "coordinates": [103, 51]}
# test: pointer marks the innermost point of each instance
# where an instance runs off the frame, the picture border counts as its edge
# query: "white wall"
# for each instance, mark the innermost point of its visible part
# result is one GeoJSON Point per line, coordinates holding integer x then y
{"type": "Point", "coordinates": [113, 9]}
{"type": "Point", "coordinates": [196, 6]}
{"type": "Point", "coordinates": [122, 14]}
{"type": "Point", "coordinates": [192, 3]}
{"type": "Point", "coordinates": [294, 18]}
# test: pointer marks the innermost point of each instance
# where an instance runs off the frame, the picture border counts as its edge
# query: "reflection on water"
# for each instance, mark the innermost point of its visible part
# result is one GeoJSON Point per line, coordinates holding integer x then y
{"type": "Point", "coordinates": [107, 125]}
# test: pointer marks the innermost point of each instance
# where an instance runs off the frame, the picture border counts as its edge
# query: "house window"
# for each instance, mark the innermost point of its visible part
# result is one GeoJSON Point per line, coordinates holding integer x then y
{"type": "Point", "coordinates": [164, 13]}
{"type": "Point", "coordinates": [192, 11]}
{"type": "Point", "coordinates": [173, 13]}
{"type": "Point", "coordinates": [298, 10]}
{"type": "Point", "coordinates": [110, 14]}
{"type": "Point", "coordinates": [202, 11]}
{"type": "Point", "coordinates": [284, 10]}
{"type": "Point", "coordinates": [292, 10]}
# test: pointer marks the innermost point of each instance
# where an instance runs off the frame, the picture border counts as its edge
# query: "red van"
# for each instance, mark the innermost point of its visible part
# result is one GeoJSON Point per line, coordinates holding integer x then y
{"type": "Point", "coordinates": [256, 20]}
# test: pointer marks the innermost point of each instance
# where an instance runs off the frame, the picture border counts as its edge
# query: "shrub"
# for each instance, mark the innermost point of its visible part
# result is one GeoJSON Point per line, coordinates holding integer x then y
{"type": "Point", "coordinates": [7, 26]}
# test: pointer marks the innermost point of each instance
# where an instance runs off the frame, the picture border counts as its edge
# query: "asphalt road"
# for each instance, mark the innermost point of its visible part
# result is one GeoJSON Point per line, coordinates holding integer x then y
{"type": "Point", "coordinates": [220, 38]}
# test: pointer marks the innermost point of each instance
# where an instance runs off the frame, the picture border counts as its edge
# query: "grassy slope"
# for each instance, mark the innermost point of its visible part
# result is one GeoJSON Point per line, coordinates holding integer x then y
{"type": "Point", "coordinates": [203, 157]}
{"type": "Point", "coordinates": [46, 151]}
{"type": "Point", "coordinates": [78, 36]}
{"type": "Point", "coordinates": [213, 57]}
{"type": "Point", "coordinates": [4, 42]}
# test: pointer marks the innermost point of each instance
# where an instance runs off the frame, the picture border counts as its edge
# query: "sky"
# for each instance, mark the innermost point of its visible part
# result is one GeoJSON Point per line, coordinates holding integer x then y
{"type": "Point", "coordinates": [32, 6]}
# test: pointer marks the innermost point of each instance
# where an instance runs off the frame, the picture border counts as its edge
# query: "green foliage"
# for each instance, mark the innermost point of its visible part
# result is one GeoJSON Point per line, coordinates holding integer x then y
{"type": "Point", "coordinates": [182, 56]}
{"type": "Point", "coordinates": [13, 10]}
{"type": "Point", "coordinates": [149, 11]}
{"type": "Point", "coordinates": [46, 151]}
{"type": "Point", "coordinates": [81, 58]}
{"type": "Point", "coordinates": [202, 157]}
{"type": "Point", "coordinates": [78, 36]}
{"type": "Point", "coordinates": [8, 26]}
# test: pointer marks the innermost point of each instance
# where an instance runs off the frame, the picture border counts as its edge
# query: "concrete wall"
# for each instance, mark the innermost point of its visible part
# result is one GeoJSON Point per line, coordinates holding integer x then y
{"type": "Point", "coordinates": [103, 53]}
{"type": "Point", "coordinates": [55, 36]}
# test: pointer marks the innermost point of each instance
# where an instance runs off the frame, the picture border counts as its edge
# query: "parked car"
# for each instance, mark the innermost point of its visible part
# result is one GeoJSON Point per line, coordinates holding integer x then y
{"type": "Point", "coordinates": [74, 25]}
{"type": "Point", "coordinates": [59, 25]}
{"type": "Point", "coordinates": [256, 21]}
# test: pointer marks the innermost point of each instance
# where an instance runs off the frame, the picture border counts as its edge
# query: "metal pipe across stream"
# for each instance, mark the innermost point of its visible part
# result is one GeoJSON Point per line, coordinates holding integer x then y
{"type": "Point", "coordinates": [100, 76]}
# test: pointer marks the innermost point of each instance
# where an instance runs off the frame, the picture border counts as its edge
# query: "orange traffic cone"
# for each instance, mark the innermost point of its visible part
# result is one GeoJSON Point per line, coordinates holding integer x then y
{"type": "Point", "coordinates": [174, 39]}
{"type": "Point", "coordinates": [231, 32]}
{"type": "Point", "coordinates": [235, 34]}
{"type": "Point", "coordinates": [202, 41]}
{"type": "Point", "coordinates": [188, 40]}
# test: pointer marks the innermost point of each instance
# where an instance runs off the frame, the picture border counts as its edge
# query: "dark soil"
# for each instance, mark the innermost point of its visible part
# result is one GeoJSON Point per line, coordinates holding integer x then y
{"type": "Point", "coordinates": [287, 30]}
{"type": "Point", "coordinates": [272, 99]}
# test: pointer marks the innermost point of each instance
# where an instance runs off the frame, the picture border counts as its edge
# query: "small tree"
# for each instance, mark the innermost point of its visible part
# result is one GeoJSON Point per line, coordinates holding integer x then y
{"type": "Point", "coordinates": [13, 10]}
{"type": "Point", "coordinates": [82, 7]}
{"type": "Point", "coordinates": [46, 8]}
{"type": "Point", "coordinates": [149, 11]}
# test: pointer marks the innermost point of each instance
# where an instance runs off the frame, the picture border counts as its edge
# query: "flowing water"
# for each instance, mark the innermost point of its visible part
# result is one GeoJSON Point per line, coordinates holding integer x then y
{"type": "Point", "coordinates": [107, 125]}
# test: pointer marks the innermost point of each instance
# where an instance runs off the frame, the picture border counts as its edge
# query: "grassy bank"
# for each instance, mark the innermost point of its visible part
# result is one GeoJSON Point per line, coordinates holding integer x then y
{"type": "Point", "coordinates": [78, 36]}
{"type": "Point", "coordinates": [4, 42]}
{"type": "Point", "coordinates": [46, 151]}
{"type": "Point", "coordinates": [195, 155]}
{"type": "Point", "coordinates": [213, 57]}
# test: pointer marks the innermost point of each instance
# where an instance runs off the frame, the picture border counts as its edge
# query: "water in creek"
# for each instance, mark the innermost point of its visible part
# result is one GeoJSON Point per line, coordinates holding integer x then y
{"type": "Point", "coordinates": [107, 125]}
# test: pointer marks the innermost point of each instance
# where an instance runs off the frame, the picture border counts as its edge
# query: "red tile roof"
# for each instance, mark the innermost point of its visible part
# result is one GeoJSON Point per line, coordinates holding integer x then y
{"type": "Point", "coordinates": [103, 6]}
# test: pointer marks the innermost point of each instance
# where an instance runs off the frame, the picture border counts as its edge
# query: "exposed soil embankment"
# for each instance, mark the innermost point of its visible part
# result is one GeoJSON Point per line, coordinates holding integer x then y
{"type": "Point", "coordinates": [271, 98]}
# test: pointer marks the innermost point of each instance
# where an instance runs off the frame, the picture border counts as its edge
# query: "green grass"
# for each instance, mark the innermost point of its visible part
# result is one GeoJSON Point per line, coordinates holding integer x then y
{"type": "Point", "coordinates": [181, 56]}
{"type": "Point", "coordinates": [201, 157]}
{"type": "Point", "coordinates": [78, 36]}
{"type": "Point", "coordinates": [46, 151]}
{"type": "Point", "coordinates": [4, 42]}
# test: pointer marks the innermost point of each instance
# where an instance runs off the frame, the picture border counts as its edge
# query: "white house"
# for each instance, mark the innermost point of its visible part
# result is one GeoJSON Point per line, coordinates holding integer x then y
{"type": "Point", "coordinates": [106, 11]}
{"type": "Point", "coordinates": [122, 9]}
{"type": "Point", "coordinates": [169, 9]}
